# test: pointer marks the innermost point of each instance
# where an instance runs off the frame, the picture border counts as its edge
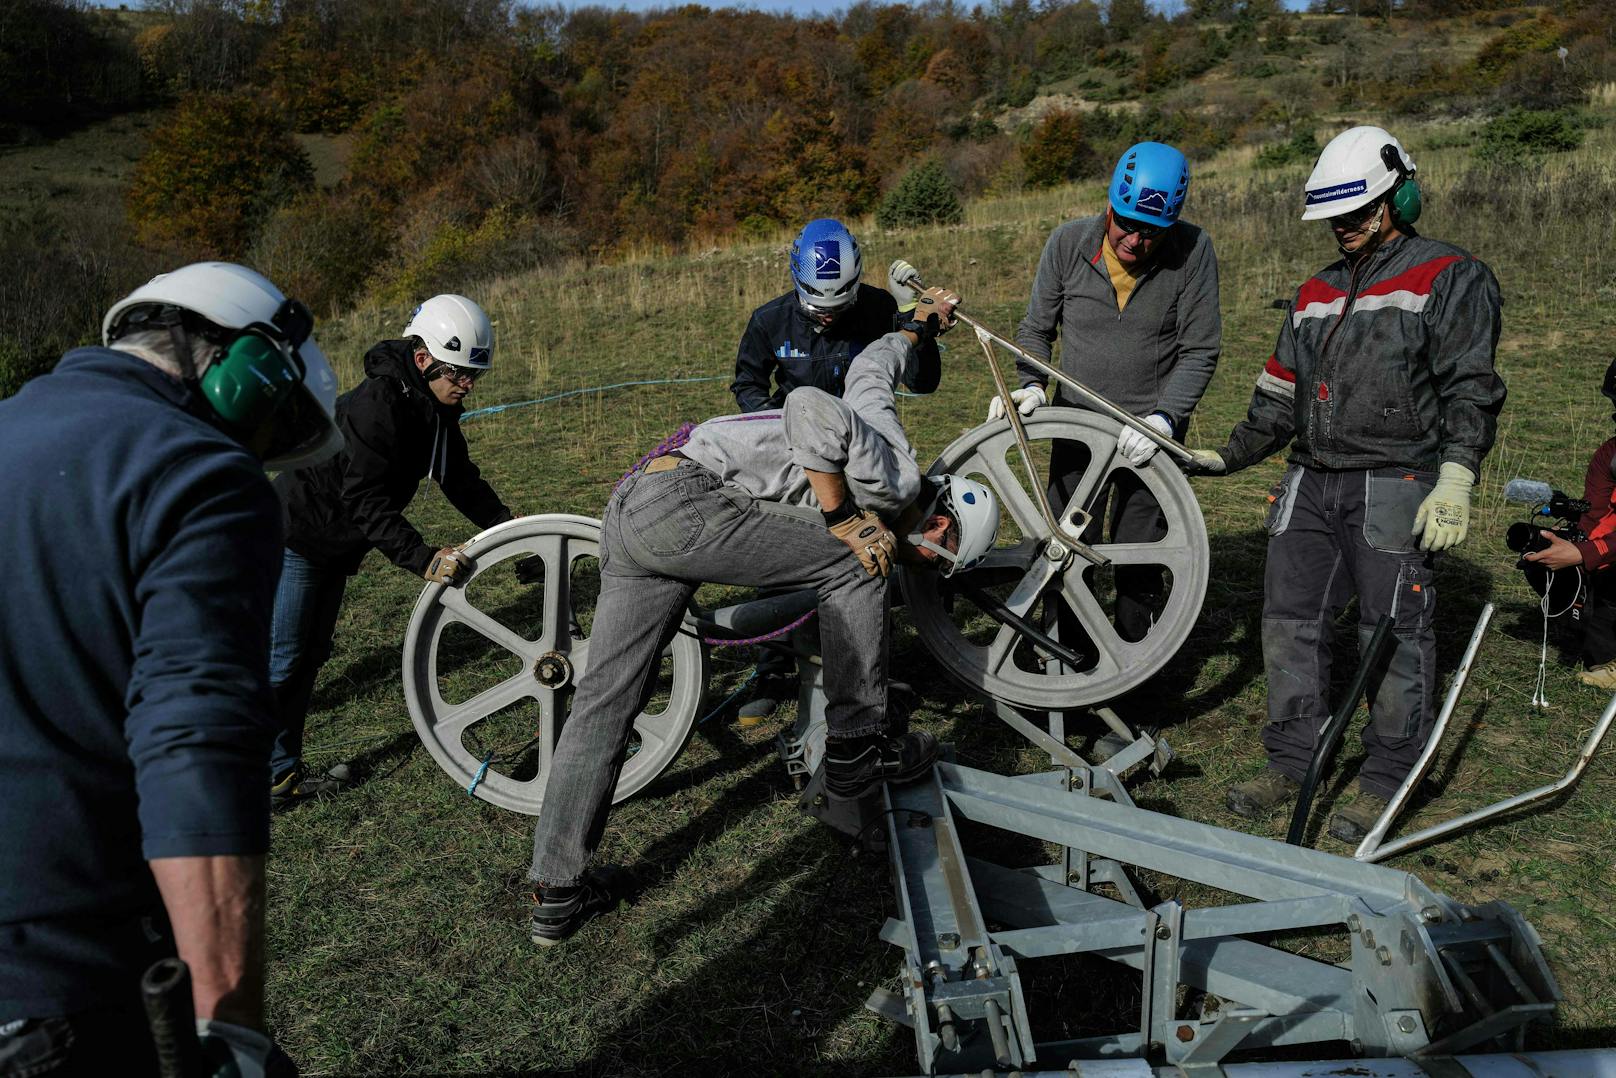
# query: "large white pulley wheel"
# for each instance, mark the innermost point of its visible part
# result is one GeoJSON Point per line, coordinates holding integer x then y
{"type": "Point", "coordinates": [1044, 583]}
{"type": "Point", "coordinates": [491, 663]}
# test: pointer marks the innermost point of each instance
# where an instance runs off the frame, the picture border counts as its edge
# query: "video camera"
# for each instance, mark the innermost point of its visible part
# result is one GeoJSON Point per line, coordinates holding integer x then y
{"type": "Point", "coordinates": [1561, 589]}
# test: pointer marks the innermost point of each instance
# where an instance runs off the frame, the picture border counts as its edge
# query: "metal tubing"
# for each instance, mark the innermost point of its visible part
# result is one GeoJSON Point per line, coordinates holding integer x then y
{"type": "Point", "coordinates": [1575, 1063]}
{"type": "Point", "coordinates": [1001, 1041]}
{"type": "Point", "coordinates": [1335, 727]}
{"type": "Point", "coordinates": [1013, 414]}
{"type": "Point", "coordinates": [1377, 834]}
{"type": "Point", "coordinates": [1509, 804]}
{"type": "Point", "coordinates": [1097, 402]}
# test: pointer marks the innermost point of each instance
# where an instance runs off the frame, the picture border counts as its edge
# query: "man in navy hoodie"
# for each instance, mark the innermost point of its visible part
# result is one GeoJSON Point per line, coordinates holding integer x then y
{"type": "Point", "coordinates": [134, 700]}
{"type": "Point", "coordinates": [400, 425]}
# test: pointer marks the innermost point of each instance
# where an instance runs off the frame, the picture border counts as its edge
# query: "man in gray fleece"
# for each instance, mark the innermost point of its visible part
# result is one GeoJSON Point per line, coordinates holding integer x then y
{"type": "Point", "coordinates": [822, 493]}
{"type": "Point", "coordinates": [1133, 294]}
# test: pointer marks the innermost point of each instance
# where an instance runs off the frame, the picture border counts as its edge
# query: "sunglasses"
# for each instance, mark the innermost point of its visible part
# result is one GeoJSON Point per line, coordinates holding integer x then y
{"type": "Point", "coordinates": [460, 376]}
{"type": "Point", "coordinates": [1129, 227]}
{"type": "Point", "coordinates": [1356, 218]}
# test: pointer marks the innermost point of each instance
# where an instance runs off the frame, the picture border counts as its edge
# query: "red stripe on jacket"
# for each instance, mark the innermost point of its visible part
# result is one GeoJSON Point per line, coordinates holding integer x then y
{"type": "Point", "coordinates": [1276, 369]}
{"type": "Point", "coordinates": [1417, 279]}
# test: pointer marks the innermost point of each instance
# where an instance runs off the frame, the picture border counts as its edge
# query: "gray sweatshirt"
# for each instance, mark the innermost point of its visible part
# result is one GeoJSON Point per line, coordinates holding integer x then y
{"type": "Point", "coordinates": [858, 434]}
{"type": "Point", "coordinates": [1158, 354]}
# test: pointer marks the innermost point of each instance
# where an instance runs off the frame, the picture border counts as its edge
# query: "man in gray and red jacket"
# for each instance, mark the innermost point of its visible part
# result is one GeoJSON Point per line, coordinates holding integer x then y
{"type": "Point", "coordinates": [1383, 384]}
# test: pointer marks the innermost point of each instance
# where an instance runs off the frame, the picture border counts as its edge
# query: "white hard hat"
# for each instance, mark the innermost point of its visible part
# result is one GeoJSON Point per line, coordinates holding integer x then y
{"type": "Point", "coordinates": [1353, 171]}
{"type": "Point", "coordinates": [455, 330]}
{"type": "Point", "coordinates": [235, 297]}
{"type": "Point", "coordinates": [974, 508]}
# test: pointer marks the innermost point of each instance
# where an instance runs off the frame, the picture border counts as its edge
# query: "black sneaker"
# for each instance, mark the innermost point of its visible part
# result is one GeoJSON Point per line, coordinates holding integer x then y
{"type": "Point", "coordinates": [766, 699]}
{"type": "Point", "coordinates": [558, 912]}
{"type": "Point", "coordinates": [857, 766]}
{"type": "Point", "coordinates": [294, 787]}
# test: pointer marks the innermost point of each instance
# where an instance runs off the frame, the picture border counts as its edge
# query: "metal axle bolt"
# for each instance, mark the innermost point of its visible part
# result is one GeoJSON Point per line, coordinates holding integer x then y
{"type": "Point", "coordinates": [1405, 1024]}
{"type": "Point", "coordinates": [1384, 954]}
{"type": "Point", "coordinates": [1184, 1034]}
{"type": "Point", "coordinates": [1163, 932]}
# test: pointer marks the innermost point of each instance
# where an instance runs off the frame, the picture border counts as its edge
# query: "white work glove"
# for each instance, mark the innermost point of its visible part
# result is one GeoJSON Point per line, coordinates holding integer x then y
{"type": "Point", "coordinates": [1205, 462]}
{"type": "Point", "coordinates": [446, 566]}
{"type": "Point", "coordinates": [898, 275]}
{"type": "Point", "coordinates": [868, 537]}
{"type": "Point", "coordinates": [1027, 401]}
{"type": "Point", "coordinates": [1135, 446]}
{"type": "Point", "coordinates": [1444, 517]}
{"type": "Point", "coordinates": [232, 1051]}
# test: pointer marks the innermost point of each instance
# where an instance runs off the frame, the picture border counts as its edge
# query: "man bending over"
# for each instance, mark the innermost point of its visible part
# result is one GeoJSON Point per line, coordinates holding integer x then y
{"type": "Point", "coordinates": [823, 493]}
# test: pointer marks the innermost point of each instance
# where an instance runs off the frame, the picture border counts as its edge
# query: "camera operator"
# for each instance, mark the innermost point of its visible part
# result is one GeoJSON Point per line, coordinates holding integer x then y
{"type": "Point", "coordinates": [1597, 552]}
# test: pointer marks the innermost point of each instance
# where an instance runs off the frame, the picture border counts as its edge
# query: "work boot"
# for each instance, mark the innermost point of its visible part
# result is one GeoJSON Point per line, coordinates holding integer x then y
{"type": "Point", "coordinates": [1352, 823]}
{"type": "Point", "coordinates": [1256, 797]}
{"type": "Point", "coordinates": [770, 693]}
{"type": "Point", "coordinates": [1602, 676]}
{"type": "Point", "coordinates": [857, 766]}
{"type": "Point", "coordinates": [558, 912]}
{"type": "Point", "coordinates": [294, 788]}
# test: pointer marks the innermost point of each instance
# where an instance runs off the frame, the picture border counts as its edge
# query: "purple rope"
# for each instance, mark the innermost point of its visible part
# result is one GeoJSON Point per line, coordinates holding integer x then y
{"type": "Point", "coordinates": [666, 446]}
{"type": "Point", "coordinates": [723, 642]}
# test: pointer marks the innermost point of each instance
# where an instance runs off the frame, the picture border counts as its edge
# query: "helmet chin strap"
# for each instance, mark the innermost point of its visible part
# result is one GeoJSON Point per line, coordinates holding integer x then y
{"type": "Point", "coordinates": [1371, 234]}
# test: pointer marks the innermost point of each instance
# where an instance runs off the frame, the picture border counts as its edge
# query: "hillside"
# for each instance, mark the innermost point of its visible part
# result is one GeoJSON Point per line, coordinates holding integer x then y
{"type": "Point", "coordinates": [345, 149]}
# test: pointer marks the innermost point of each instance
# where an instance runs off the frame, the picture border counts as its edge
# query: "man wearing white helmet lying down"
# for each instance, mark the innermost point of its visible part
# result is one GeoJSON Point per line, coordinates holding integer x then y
{"type": "Point", "coordinates": [822, 493]}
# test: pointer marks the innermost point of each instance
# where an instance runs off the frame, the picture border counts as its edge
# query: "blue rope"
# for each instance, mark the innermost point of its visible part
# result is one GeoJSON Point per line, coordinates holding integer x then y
{"type": "Point", "coordinates": [495, 409]}
{"type": "Point", "coordinates": [482, 772]}
{"type": "Point", "coordinates": [730, 698]}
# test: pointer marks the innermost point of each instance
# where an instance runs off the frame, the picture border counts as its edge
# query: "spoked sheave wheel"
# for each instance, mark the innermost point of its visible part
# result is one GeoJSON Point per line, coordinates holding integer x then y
{"type": "Point", "coordinates": [490, 665]}
{"type": "Point", "coordinates": [1046, 585]}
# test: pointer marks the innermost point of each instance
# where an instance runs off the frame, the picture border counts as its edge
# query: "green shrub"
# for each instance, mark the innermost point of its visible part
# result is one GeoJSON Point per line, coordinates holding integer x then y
{"type": "Point", "coordinates": [1300, 147]}
{"type": "Point", "coordinates": [1520, 134]}
{"type": "Point", "coordinates": [924, 196]}
{"type": "Point", "coordinates": [212, 173]}
{"type": "Point", "coordinates": [1057, 150]}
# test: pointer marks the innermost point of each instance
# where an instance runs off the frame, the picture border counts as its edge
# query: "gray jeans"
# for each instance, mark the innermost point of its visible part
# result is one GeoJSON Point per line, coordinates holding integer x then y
{"type": "Point", "coordinates": [1333, 535]}
{"type": "Point", "coordinates": [663, 535]}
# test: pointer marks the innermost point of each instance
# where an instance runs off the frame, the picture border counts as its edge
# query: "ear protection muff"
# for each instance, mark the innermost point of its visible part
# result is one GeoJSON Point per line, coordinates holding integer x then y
{"type": "Point", "coordinates": [1406, 200]}
{"type": "Point", "coordinates": [254, 372]}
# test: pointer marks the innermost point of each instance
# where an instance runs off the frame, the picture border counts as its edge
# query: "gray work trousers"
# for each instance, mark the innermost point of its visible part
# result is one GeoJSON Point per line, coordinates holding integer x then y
{"type": "Point", "coordinates": [663, 535]}
{"type": "Point", "coordinates": [1124, 512]}
{"type": "Point", "coordinates": [1333, 535]}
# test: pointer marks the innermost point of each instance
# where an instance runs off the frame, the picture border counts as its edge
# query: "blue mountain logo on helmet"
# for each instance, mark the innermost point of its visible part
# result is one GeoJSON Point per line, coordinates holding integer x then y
{"type": "Point", "coordinates": [1152, 201]}
{"type": "Point", "coordinates": [479, 355]}
{"type": "Point", "coordinates": [827, 260]}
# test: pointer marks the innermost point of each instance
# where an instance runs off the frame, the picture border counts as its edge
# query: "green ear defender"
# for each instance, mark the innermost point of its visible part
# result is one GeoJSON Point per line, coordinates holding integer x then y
{"type": "Point", "coordinates": [259, 368]}
{"type": "Point", "coordinates": [1406, 198]}
{"type": "Point", "coordinates": [250, 379]}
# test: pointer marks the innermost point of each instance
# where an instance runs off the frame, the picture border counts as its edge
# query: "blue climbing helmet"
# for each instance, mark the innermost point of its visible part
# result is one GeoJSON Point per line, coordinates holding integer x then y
{"type": "Point", "coordinates": [825, 266]}
{"type": "Point", "coordinates": [1149, 184]}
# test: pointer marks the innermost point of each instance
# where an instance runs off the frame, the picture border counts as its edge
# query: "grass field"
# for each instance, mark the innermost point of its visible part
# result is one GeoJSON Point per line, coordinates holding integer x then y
{"type": "Point", "coordinates": [397, 913]}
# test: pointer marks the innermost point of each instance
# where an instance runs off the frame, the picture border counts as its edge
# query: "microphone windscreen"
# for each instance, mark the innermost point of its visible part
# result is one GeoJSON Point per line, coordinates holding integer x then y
{"type": "Point", "coordinates": [1527, 491]}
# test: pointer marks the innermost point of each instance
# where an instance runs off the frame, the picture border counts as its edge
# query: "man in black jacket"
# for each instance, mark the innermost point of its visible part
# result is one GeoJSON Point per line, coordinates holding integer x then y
{"type": "Point", "coordinates": [809, 337]}
{"type": "Point", "coordinates": [402, 424]}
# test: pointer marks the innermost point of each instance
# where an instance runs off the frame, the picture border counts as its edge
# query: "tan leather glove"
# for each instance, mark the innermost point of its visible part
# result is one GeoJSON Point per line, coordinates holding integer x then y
{"type": "Point", "coordinates": [1206, 462]}
{"type": "Point", "coordinates": [934, 309]}
{"type": "Point", "coordinates": [867, 537]}
{"type": "Point", "coordinates": [446, 566]}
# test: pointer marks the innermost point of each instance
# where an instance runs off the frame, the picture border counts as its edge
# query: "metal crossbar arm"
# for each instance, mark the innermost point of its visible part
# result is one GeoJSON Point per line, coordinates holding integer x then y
{"type": "Point", "coordinates": [1013, 414]}
{"type": "Point", "coordinates": [1094, 400]}
{"type": "Point", "coordinates": [1377, 834]}
{"type": "Point", "coordinates": [1509, 804]}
